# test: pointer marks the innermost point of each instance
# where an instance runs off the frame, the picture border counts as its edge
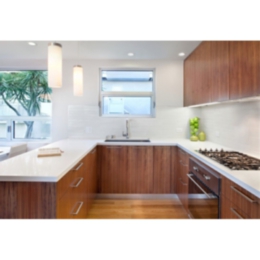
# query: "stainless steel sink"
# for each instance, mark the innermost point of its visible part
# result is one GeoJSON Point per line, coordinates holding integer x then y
{"type": "Point", "coordinates": [128, 140]}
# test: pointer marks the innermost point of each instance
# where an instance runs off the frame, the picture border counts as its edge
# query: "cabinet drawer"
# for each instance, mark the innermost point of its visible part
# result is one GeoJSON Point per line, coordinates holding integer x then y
{"type": "Point", "coordinates": [183, 158]}
{"type": "Point", "coordinates": [230, 211]}
{"type": "Point", "coordinates": [243, 199]}
{"type": "Point", "coordinates": [71, 207]}
{"type": "Point", "coordinates": [70, 179]}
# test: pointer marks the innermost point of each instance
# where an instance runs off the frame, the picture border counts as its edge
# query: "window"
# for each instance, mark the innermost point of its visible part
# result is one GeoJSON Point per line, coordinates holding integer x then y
{"type": "Point", "coordinates": [25, 105]}
{"type": "Point", "coordinates": [127, 93]}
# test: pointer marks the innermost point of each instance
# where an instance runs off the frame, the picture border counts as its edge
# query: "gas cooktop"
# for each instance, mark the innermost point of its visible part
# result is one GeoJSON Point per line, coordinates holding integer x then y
{"type": "Point", "coordinates": [233, 160]}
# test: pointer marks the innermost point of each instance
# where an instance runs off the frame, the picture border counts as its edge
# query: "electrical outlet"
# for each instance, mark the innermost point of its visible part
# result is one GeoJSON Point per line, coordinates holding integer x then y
{"type": "Point", "coordinates": [217, 134]}
{"type": "Point", "coordinates": [88, 129]}
{"type": "Point", "coordinates": [179, 130]}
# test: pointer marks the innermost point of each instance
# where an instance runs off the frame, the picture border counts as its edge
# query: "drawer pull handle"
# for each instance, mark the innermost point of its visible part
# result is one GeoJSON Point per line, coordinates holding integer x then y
{"type": "Point", "coordinates": [236, 213]}
{"type": "Point", "coordinates": [78, 167]}
{"type": "Point", "coordinates": [78, 183]}
{"type": "Point", "coordinates": [207, 178]}
{"type": "Point", "coordinates": [243, 195]}
{"type": "Point", "coordinates": [196, 169]}
{"type": "Point", "coordinates": [183, 163]}
{"type": "Point", "coordinates": [79, 207]}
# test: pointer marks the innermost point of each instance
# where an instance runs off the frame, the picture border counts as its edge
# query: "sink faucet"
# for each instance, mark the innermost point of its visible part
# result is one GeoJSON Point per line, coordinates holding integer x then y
{"type": "Point", "coordinates": [127, 129]}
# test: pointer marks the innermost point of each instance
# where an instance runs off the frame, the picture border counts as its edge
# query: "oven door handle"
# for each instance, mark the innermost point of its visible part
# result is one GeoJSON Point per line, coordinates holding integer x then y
{"type": "Point", "coordinates": [208, 195]}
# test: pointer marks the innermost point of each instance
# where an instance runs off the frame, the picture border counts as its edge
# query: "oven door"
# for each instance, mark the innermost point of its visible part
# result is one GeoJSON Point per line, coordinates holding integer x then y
{"type": "Point", "coordinates": [202, 202]}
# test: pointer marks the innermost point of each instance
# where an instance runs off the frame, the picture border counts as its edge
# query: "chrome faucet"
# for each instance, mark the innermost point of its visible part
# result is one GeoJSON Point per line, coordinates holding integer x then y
{"type": "Point", "coordinates": [127, 129]}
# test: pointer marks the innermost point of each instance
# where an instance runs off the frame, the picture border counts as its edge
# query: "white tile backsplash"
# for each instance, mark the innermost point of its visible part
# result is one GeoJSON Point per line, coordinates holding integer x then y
{"type": "Point", "coordinates": [237, 123]}
{"type": "Point", "coordinates": [169, 122]}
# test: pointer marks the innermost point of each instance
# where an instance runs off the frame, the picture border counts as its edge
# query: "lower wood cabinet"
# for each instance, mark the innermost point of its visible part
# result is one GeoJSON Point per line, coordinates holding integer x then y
{"type": "Point", "coordinates": [162, 169]}
{"type": "Point", "coordinates": [136, 169]}
{"type": "Point", "coordinates": [182, 170]}
{"type": "Point", "coordinates": [236, 202]}
{"type": "Point", "coordinates": [70, 197]}
{"type": "Point", "coordinates": [126, 169]}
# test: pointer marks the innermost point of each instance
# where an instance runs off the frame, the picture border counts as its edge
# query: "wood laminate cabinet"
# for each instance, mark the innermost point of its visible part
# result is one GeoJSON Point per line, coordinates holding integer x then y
{"type": "Point", "coordinates": [70, 197]}
{"type": "Point", "coordinates": [113, 172]}
{"type": "Point", "coordinates": [244, 69]}
{"type": "Point", "coordinates": [174, 168]}
{"type": "Point", "coordinates": [162, 169]}
{"type": "Point", "coordinates": [222, 70]}
{"type": "Point", "coordinates": [236, 202]}
{"type": "Point", "coordinates": [140, 169]}
{"type": "Point", "coordinates": [182, 187]}
{"type": "Point", "coordinates": [219, 71]}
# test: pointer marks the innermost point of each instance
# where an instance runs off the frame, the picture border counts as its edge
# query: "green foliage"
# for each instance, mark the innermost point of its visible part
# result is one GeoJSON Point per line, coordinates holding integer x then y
{"type": "Point", "coordinates": [26, 87]}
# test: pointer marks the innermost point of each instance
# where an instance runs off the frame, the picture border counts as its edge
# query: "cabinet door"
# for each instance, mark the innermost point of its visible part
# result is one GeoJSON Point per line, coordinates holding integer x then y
{"type": "Point", "coordinates": [140, 169]}
{"type": "Point", "coordinates": [244, 60]}
{"type": "Point", "coordinates": [202, 87]}
{"type": "Point", "coordinates": [174, 169]}
{"type": "Point", "coordinates": [113, 175]}
{"type": "Point", "coordinates": [182, 178]}
{"type": "Point", "coordinates": [189, 80]}
{"type": "Point", "coordinates": [91, 174]}
{"type": "Point", "coordinates": [219, 71]}
{"type": "Point", "coordinates": [162, 169]}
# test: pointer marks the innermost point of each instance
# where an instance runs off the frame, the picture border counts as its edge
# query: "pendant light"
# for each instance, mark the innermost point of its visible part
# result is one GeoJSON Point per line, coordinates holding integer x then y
{"type": "Point", "coordinates": [78, 79]}
{"type": "Point", "coordinates": [54, 65]}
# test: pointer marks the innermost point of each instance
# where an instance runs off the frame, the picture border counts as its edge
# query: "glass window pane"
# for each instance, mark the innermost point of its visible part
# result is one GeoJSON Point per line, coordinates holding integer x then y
{"type": "Point", "coordinates": [127, 106]}
{"type": "Point", "coordinates": [136, 81]}
{"type": "Point", "coordinates": [3, 129]}
{"type": "Point", "coordinates": [32, 129]}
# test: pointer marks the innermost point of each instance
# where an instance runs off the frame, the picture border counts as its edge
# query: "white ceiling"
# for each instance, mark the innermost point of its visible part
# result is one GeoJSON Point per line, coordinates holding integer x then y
{"type": "Point", "coordinates": [112, 50]}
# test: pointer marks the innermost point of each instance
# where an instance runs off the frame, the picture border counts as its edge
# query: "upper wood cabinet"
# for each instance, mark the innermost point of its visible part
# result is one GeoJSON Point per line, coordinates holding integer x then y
{"type": "Point", "coordinates": [221, 70]}
{"type": "Point", "coordinates": [244, 69]}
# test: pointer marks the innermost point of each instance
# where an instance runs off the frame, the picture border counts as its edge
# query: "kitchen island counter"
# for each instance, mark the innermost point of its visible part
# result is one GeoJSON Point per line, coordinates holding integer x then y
{"type": "Point", "coordinates": [28, 167]}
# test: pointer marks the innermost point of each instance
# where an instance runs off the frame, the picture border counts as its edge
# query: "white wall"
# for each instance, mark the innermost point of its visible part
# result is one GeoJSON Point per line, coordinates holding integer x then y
{"type": "Point", "coordinates": [169, 93]}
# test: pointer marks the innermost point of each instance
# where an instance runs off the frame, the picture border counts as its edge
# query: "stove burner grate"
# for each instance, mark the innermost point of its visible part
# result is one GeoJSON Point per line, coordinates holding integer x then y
{"type": "Point", "coordinates": [233, 160]}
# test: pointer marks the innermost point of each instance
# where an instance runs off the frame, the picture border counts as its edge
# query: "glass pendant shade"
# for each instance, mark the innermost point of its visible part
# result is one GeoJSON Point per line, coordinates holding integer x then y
{"type": "Point", "coordinates": [55, 65]}
{"type": "Point", "coordinates": [78, 80]}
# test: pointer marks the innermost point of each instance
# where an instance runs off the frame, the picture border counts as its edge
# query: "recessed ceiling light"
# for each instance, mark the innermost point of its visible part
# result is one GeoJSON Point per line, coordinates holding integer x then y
{"type": "Point", "coordinates": [181, 54]}
{"type": "Point", "coordinates": [130, 54]}
{"type": "Point", "coordinates": [32, 43]}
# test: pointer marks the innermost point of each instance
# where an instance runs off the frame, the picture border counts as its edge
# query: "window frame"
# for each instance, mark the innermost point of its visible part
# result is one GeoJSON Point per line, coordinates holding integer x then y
{"type": "Point", "coordinates": [103, 94]}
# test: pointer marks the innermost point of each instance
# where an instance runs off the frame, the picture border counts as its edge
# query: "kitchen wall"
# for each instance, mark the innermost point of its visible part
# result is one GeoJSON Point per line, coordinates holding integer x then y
{"type": "Point", "coordinates": [235, 124]}
{"type": "Point", "coordinates": [78, 117]}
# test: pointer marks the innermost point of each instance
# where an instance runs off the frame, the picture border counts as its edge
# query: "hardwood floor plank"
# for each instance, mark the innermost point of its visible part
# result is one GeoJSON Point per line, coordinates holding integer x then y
{"type": "Point", "coordinates": [137, 209]}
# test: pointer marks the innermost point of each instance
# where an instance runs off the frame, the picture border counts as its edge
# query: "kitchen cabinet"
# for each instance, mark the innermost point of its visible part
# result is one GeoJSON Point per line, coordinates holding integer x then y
{"type": "Point", "coordinates": [70, 197]}
{"type": "Point", "coordinates": [113, 173]}
{"type": "Point", "coordinates": [244, 69]}
{"type": "Point", "coordinates": [182, 187]}
{"type": "Point", "coordinates": [236, 202]}
{"type": "Point", "coordinates": [221, 70]}
{"type": "Point", "coordinates": [174, 168]}
{"type": "Point", "coordinates": [140, 169]}
{"type": "Point", "coordinates": [162, 169]}
{"type": "Point", "coordinates": [72, 193]}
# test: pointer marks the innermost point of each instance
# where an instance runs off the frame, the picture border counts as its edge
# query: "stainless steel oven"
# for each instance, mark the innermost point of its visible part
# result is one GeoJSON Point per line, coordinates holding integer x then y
{"type": "Point", "coordinates": [204, 190]}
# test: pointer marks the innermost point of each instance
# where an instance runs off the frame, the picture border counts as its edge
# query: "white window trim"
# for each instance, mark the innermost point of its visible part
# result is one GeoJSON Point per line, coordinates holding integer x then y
{"type": "Point", "coordinates": [103, 94]}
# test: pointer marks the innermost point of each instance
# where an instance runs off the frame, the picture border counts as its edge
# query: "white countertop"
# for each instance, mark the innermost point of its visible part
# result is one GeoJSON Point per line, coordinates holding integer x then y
{"type": "Point", "coordinates": [28, 167]}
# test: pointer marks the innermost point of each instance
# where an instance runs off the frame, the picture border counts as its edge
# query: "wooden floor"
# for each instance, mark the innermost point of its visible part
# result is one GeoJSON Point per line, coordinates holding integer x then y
{"type": "Point", "coordinates": [137, 209]}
